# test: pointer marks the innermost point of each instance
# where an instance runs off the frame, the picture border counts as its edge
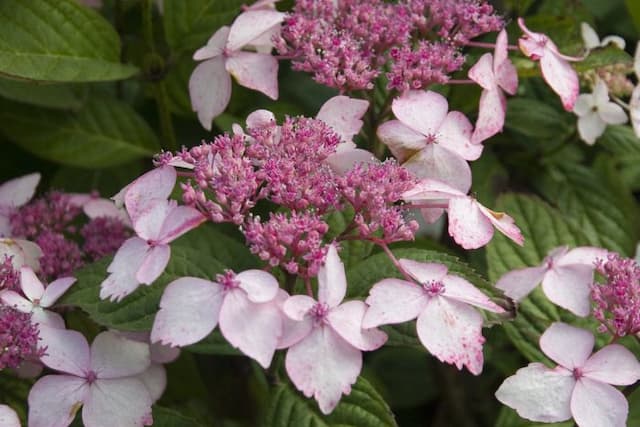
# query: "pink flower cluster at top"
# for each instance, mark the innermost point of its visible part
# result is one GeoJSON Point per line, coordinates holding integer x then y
{"type": "Point", "coordinates": [617, 300]}
{"type": "Point", "coordinates": [346, 44]}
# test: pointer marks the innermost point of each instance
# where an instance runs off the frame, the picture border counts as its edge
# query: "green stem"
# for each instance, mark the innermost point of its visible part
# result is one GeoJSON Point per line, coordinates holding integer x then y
{"type": "Point", "coordinates": [147, 24]}
{"type": "Point", "coordinates": [166, 122]}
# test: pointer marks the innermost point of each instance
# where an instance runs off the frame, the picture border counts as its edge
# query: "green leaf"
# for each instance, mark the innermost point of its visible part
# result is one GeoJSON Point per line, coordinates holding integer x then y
{"type": "Point", "coordinates": [543, 228]}
{"type": "Point", "coordinates": [537, 119]}
{"type": "Point", "coordinates": [136, 311]}
{"type": "Point", "coordinates": [105, 132]}
{"type": "Point", "coordinates": [624, 145]}
{"type": "Point", "coordinates": [584, 199]}
{"type": "Point", "coordinates": [634, 10]}
{"type": "Point", "coordinates": [58, 40]}
{"type": "Point", "coordinates": [177, 84]}
{"type": "Point", "coordinates": [165, 417]}
{"type": "Point", "coordinates": [364, 407]}
{"type": "Point", "coordinates": [510, 418]}
{"type": "Point", "coordinates": [602, 57]}
{"type": "Point", "coordinates": [352, 251]}
{"type": "Point", "coordinates": [14, 392]}
{"type": "Point", "coordinates": [60, 96]}
{"type": "Point", "coordinates": [189, 24]}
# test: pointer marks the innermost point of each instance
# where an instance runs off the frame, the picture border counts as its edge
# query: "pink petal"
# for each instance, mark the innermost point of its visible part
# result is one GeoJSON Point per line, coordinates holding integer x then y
{"type": "Point", "coordinates": [517, 284]}
{"type": "Point", "coordinates": [424, 272]}
{"type": "Point", "coordinates": [122, 280]}
{"type": "Point", "coordinates": [30, 284]}
{"type": "Point", "coordinates": [455, 136]}
{"type": "Point", "coordinates": [332, 281]}
{"type": "Point", "coordinates": [114, 356]}
{"type": "Point", "coordinates": [591, 127]}
{"type": "Point", "coordinates": [250, 25]}
{"type": "Point", "coordinates": [67, 351]}
{"type": "Point", "coordinates": [468, 225]}
{"type": "Point", "coordinates": [634, 110]}
{"type": "Point", "coordinates": [17, 301]}
{"type": "Point", "coordinates": [8, 417]}
{"type": "Point", "coordinates": [293, 330]}
{"type": "Point", "coordinates": [18, 191]}
{"type": "Point", "coordinates": [503, 223]}
{"type": "Point", "coordinates": [210, 90]}
{"type": "Point", "coordinates": [324, 366]}
{"type": "Point", "coordinates": [613, 364]}
{"type": "Point", "coordinates": [482, 72]}
{"type": "Point", "coordinates": [570, 288]}
{"type": "Point", "coordinates": [5, 225]}
{"type": "Point", "coordinates": [155, 184]}
{"type": "Point", "coordinates": [253, 328]}
{"type": "Point", "coordinates": [403, 142]}
{"type": "Point", "coordinates": [594, 404]}
{"type": "Point", "coordinates": [422, 111]}
{"type": "Point", "coordinates": [155, 380]}
{"type": "Point", "coordinates": [431, 189]}
{"type": "Point", "coordinates": [296, 307]}
{"type": "Point", "coordinates": [117, 402]}
{"type": "Point", "coordinates": [22, 253]}
{"type": "Point", "coordinates": [55, 399]}
{"type": "Point", "coordinates": [533, 45]}
{"type": "Point", "coordinates": [260, 118]}
{"type": "Point", "coordinates": [154, 263]}
{"type": "Point", "coordinates": [538, 393]}
{"type": "Point", "coordinates": [259, 285]}
{"type": "Point", "coordinates": [567, 345]}
{"type": "Point", "coordinates": [48, 318]}
{"type": "Point", "coordinates": [97, 208]}
{"type": "Point", "coordinates": [612, 114]}
{"type": "Point", "coordinates": [505, 72]}
{"type": "Point", "coordinates": [452, 332]}
{"type": "Point", "coordinates": [344, 115]}
{"type": "Point", "coordinates": [491, 114]}
{"type": "Point", "coordinates": [344, 160]}
{"type": "Point", "coordinates": [257, 71]}
{"type": "Point", "coordinates": [215, 45]}
{"type": "Point", "coordinates": [148, 222]}
{"type": "Point", "coordinates": [561, 77]}
{"type": "Point", "coordinates": [55, 290]}
{"type": "Point", "coordinates": [393, 301]}
{"type": "Point", "coordinates": [585, 255]}
{"type": "Point", "coordinates": [461, 290]}
{"type": "Point", "coordinates": [189, 310]}
{"type": "Point", "coordinates": [346, 320]}
{"type": "Point", "coordinates": [440, 164]}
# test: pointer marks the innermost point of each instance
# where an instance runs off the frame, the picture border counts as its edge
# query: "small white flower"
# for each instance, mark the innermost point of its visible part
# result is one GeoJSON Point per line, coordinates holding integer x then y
{"type": "Point", "coordinates": [592, 41]}
{"type": "Point", "coordinates": [595, 112]}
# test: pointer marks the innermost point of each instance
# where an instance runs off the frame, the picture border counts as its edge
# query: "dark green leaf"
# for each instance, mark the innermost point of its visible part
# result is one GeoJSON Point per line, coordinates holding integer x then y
{"type": "Point", "coordinates": [165, 417]}
{"type": "Point", "coordinates": [364, 407]}
{"type": "Point", "coordinates": [509, 418]}
{"type": "Point", "coordinates": [61, 96]}
{"type": "Point", "coordinates": [537, 119]}
{"type": "Point", "coordinates": [105, 132]}
{"type": "Point", "coordinates": [608, 55]}
{"type": "Point", "coordinates": [58, 40]}
{"type": "Point", "coordinates": [189, 24]}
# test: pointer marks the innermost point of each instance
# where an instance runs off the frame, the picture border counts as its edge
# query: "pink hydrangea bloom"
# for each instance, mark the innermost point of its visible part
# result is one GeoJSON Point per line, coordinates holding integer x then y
{"type": "Point", "coordinates": [496, 75]}
{"type": "Point", "coordinates": [223, 56]}
{"type": "Point", "coordinates": [448, 326]}
{"type": "Point", "coordinates": [37, 298]}
{"type": "Point", "coordinates": [430, 141]}
{"type": "Point", "coordinates": [566, 277]}
{"type": "Point", "coordinates": [8, 417]}
{"type": "Point", "coordinates": [9, 276]}
{"type": "Point", "coordinates": [470, 224]}
{"type": "Point", "coordinates": [18, 338]}
{"type": "Point", "coordinates": [157, 222]}
{"type": "Point", "coordinates": [581, 386]}
{"type": "Point", "coordinates": [617, 300]}
{"type": "Point", "coordinates": [556, 70]}
{"type": "Point", "coordinates": [245, 305]}
{"type": "Point", "coordinates": [325, 352]}
{"type": "Point", "coordinates": [102, 379]}
{"type": "Point", "coordinates": [14, 194]}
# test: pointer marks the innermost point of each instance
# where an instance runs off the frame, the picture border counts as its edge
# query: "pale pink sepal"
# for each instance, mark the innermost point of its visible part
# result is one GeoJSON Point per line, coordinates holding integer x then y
{"type": "Point", "coordinates": [257, 71]}
{"type": "Point", "coordinates": [115, 356]}
{"type": "Point", "coordinates": [189, 310]}
{"type": "Point", "coordinates": [122, 279]}
{"type": "Point", "coordinates": [250, 25]}
{"type": "Point", "coordinates": [566, 345]}
{"type": "Point", "coordinates": [344, 115]}
{"type": "Point", "coordinates": [22, 253]}
{"type": "Point", "coordinates": [332, 280]}
{"type": "Point", "coordinates": [393, 301]}
{"type": "Point", "coordinates": [8, 417]}
{"type": "Point", "coordinates": [517, 284]}
{"type": "Point", "coordinates": [323, 366]}
{"type": "Point", "coordinates": [596, 404]}
{"type": "Point", "coordinates": [259, 285]}
{"type": "Point", "coordinates": [154, 263]}
{"type": "Point", "coordinates": [156, 184]}
{"type": "Point", "coordinates": [155, 380]}
{"type": "Point", "coordinates": [13, 194]}
{"type": "Point", "coordinates": [117, 402]}
{"type": "Point", "coordinates": [346, 320]}
{"type": "Point", "coordinates": [54, 400]}
{"type": "Point", "coordinates": [210, 90]}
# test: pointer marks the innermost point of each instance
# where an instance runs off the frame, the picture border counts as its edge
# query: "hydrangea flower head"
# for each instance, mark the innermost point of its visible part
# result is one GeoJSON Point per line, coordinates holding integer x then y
{"type": "Point", "coordinates": [325, 352]}
{"type": "Point", "coordinates": [19, 338]}
{"type": "Point", "coordinates": [581, 386]}
{"type": "Point", "coordinates": [566, 277]}
{"type": "Point", "coordinates": [556, 70]}
{"type": "Point", "coordinates": [223, 56]}
{"type": "Point", "coordinates": [101, 378]}
{"type": "Point", "coordinates": [448, 325]}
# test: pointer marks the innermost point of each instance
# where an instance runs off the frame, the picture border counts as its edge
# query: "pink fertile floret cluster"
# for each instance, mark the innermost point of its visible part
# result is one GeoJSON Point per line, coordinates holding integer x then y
{"type": "Point", "coordinates": [18, 338]}
{"type": "Point", "coordinates": [617, 300]}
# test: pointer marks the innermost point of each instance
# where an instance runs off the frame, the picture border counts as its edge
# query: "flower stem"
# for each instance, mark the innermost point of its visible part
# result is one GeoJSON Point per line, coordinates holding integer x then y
{"type": "Point", "coordinates": [394, 260]}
